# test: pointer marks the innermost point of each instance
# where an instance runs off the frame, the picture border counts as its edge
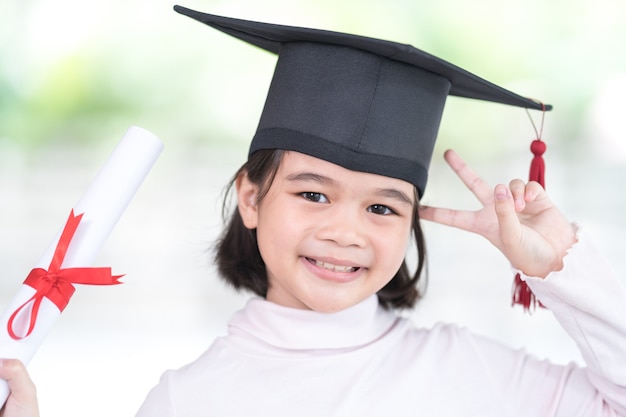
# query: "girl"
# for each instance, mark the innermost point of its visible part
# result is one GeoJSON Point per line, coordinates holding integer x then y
{"type": "Point", "coordinates": [327, 207]}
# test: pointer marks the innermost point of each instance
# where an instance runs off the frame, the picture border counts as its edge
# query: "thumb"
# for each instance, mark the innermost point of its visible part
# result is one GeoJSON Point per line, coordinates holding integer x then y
{"type": "Point", "coordinates": [22, 401]}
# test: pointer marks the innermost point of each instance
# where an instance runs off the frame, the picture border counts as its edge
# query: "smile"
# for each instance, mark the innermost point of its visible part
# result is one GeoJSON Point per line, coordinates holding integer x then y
{"type": "Point", "coordinates": [332, 267]}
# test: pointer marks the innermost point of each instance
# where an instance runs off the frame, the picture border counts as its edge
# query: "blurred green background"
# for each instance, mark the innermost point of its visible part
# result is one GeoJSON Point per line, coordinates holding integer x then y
{"type": "Point", "coordinates": [74, 71]}
{"type": "Point", "coordinates": [75, 74]}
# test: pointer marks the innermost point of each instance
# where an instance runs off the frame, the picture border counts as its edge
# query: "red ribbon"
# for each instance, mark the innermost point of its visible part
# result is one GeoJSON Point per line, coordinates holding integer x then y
{"type": "Point", "coordinates": [55, 283]}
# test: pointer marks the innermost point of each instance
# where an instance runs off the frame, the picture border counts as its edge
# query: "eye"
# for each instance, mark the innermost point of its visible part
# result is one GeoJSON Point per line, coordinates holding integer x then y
{"type": "Point", "coordinates": [315, 197]}
{"type": "Point", "coordinates": [380, 209]}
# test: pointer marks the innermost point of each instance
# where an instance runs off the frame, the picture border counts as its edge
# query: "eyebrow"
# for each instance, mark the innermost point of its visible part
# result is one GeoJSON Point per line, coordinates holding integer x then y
{"type": "Point", "coordinates": [392, 193]}
{"type": "Point", "coordinates": [310, 176]}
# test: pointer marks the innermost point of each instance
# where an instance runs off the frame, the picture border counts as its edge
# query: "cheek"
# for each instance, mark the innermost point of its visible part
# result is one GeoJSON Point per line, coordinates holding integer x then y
{"type": "Point", "coordinates": [394, 251]}
{"type": "Point", "coordinates": [277, 232]}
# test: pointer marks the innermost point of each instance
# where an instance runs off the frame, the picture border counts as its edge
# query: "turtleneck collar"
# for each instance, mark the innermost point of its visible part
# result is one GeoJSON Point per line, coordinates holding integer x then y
{"type": "Point", "coordinates": [296, 329]}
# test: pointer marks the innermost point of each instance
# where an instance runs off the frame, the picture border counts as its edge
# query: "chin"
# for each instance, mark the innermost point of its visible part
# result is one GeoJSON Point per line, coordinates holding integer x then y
{"type": "Point", "coordinates": [329, 306]}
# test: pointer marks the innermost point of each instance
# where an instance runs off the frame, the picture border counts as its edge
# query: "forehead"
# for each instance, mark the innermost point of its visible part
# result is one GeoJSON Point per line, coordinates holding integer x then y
{"type": "Point", "coordinates": [295, 162]}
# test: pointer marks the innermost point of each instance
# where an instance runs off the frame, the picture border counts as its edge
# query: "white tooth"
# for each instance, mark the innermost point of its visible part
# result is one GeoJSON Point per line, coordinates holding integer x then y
{"type": "Point", "coordinates": [336, 268]}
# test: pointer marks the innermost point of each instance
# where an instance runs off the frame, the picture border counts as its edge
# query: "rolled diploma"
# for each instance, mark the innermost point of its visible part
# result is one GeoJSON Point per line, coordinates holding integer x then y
{"type": "Point", "coordinates": [102, 205]}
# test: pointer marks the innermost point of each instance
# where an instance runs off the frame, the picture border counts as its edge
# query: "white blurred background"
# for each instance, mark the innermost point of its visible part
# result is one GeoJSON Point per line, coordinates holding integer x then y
{"type": "Point", "coordinates": [74, 75]}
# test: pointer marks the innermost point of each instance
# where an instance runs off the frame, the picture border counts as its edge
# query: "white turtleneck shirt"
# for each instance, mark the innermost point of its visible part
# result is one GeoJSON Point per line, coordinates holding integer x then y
{"type": "Point", "coordinates": [366, 361]}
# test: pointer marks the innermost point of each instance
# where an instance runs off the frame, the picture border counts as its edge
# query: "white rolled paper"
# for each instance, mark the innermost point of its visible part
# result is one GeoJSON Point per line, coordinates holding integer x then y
{"type": "Point", "coordinates": [102, 205]}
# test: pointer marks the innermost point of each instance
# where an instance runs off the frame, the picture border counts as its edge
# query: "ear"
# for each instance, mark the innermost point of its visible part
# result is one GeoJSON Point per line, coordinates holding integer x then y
{"type": "Point", "coordinates": [247, 193]}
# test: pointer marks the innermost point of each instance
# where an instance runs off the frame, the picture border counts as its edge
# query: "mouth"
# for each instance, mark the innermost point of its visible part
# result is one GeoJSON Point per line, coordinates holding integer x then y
{"type": "Point", "coordinates": [333, 267]}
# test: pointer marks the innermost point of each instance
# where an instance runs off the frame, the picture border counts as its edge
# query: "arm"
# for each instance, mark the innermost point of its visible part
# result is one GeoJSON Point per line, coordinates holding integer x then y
{"type": "Point", "coordinates": [590, 303]}
{"type": "Point", "coordinates": [568, 277]}
{"type": "Point", "coordinates": [22, 401]}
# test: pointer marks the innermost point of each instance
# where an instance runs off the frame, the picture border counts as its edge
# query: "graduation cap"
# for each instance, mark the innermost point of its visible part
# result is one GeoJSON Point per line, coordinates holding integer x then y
{"type": "Point", "coordinates": [366, 104]}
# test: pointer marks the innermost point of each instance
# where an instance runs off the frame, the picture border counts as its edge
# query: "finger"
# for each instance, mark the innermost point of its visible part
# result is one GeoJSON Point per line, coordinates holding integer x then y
{"type": "Point", "coordinates": [14, 372]}
{"type": "Point", "coordinates": [472, 181]}
{"type": "Point", "coordinates": [456, 218]}
{"type": "Point", "coordinates": [510, 227]}
{"type": "Point", "coordinates": [21, 386]}
{"type": "Point", "coordinates": [534, 190]}
{"type": "Point", "coordinates": [518, 191]}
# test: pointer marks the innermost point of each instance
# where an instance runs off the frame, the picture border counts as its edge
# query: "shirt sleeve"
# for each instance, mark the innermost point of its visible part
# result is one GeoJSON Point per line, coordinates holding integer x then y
{"type": "Point", "coordinates": [158, 403]}
{"type": "Point", "coordinates": [589, 301]}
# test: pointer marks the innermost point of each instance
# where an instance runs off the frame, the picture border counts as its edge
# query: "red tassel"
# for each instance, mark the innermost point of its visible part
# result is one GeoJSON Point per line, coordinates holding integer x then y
{"type": "Point", "coordinates": [522, 294]}
{"type": "Point", "coordinates": [538, 166]}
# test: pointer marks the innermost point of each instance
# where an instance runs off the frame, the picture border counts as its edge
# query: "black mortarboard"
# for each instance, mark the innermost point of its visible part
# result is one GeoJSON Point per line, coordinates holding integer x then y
{"type": "Point", "coordinates": [366, 104]}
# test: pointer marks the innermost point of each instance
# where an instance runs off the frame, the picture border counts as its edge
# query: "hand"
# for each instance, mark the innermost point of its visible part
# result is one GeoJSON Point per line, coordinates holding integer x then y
{"type": "Point", "coordinates": [519, 219]}
{"type": "Point", "coordinates": [22, 401]}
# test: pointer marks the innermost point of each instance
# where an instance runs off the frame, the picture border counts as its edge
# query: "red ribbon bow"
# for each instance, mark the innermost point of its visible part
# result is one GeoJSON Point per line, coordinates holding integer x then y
{"type": "Point", "coordinates": [55, 283]}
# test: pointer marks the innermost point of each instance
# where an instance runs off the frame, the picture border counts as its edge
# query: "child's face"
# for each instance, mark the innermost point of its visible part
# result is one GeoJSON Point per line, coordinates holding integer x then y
{"type": "Point", "coordinates": [329, 237]}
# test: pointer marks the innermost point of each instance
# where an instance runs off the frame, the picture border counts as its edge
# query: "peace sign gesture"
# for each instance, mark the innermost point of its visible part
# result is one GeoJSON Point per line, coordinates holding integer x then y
{"type": "Point", "coordinates": [519, 219]}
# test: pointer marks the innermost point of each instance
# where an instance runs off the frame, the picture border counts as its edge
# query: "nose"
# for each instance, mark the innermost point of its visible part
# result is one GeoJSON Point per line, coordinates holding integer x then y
{"type": "Point", "coordinates": [344, 226]}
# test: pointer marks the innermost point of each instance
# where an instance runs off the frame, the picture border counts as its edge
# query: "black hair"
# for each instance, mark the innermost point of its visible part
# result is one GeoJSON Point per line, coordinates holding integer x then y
{"type": "Point", "coordinates": [239, 261]}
